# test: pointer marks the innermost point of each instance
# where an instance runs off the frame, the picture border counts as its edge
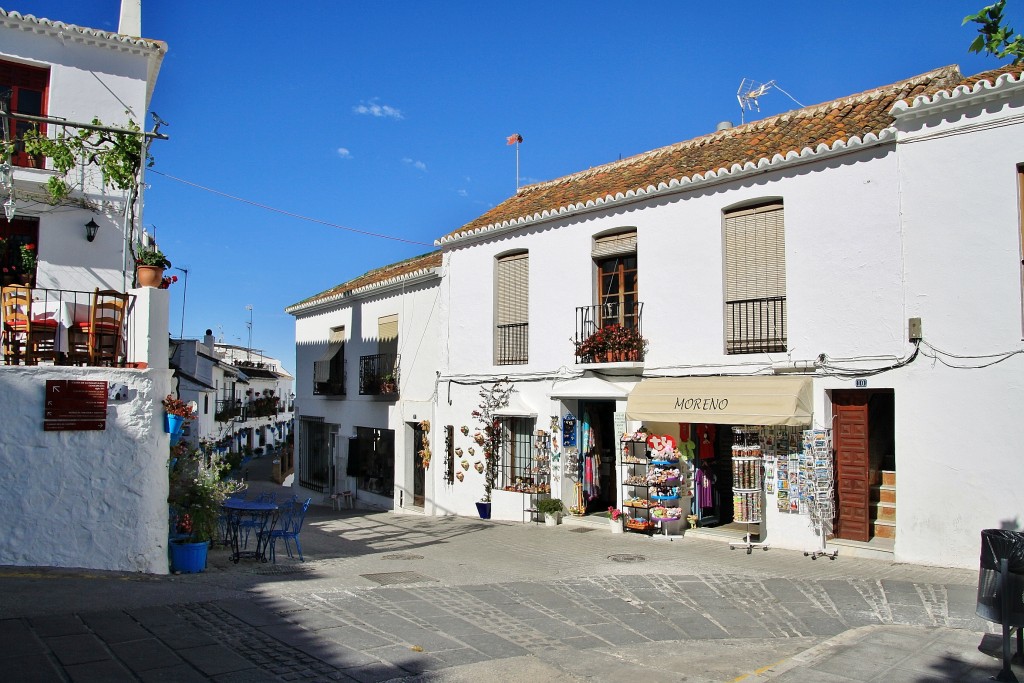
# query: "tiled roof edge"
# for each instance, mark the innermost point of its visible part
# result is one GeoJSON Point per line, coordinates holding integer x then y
{"type": "Point", "coordinates": [943, 98]}
{"type": "Point", "coordinates": [678, 184]}
{"type": "Point", "coordinates": [59, 27]}
{"type": "Point", "coordinates": [422, 273]}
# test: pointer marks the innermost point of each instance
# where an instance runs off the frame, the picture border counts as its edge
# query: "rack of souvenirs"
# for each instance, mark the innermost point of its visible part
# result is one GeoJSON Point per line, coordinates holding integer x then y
{"type": "Point", "coordinates": [656, 482]}
{"type": "Point", "coordinates": [747, 478]}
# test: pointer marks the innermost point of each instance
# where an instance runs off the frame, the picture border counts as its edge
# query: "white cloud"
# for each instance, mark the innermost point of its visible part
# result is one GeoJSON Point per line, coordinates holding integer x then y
{"type": "Point", "coordinates": [462, 193]}
{"type": "Point", "coordinates": [344, 153]}
{"type": "Point", "coordinates": [419, 165]}
{"type": "Point", "coordinates": [381, 111]}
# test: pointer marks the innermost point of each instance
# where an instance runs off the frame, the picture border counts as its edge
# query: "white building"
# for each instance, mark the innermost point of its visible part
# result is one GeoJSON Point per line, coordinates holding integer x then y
{"type": "Point", "coordinates": [367, 358]}
{"type": "Point", "coordinates": [852, 266]}
{"type": "Point", "coordinates": [101, 481]}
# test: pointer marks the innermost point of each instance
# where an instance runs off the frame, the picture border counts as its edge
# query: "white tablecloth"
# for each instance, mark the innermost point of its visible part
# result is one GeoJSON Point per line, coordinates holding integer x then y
{"type": "Point", "coordinates": [67, 313]}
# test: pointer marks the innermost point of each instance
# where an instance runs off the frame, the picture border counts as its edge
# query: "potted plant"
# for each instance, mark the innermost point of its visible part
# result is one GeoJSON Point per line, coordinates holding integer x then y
{"type": "Point", "coordinates": [615, 520]}
{"type": "Point", "coordinates": [551, 508]}
{"type": "Point", "coordinates": [196, 492]}
{"type": "Point", "coordinates": [176, 412]}
{"type": "Point", "coordinates": [489, 437]}
{"type": "Point", "coordinates": [594, 348]}
{"type": "Point", "coordinates": [388, 383]}
{"type": "Point", "coordinates": [150, 264]}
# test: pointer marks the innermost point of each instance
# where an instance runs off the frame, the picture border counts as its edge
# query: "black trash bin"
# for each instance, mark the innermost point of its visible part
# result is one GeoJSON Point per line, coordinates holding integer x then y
{"type": "Point", "coordinates": [1001, 588]}
{"type": "Point", "coordinates": [996, 545]}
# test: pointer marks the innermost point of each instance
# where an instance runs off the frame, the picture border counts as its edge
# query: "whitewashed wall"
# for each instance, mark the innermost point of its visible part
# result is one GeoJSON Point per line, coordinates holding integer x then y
{"type": "Point", "coordinates": [958, 465]}
{"type": "Point", "coordinates": [90, 499]}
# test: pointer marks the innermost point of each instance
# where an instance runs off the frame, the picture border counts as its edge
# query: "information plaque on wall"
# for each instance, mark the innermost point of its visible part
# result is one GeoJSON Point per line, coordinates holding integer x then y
{"type": "Point", "coordinates": [74, 405]}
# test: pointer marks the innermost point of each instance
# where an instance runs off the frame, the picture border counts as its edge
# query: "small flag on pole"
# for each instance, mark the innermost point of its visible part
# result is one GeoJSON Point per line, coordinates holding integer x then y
{"type": "Point", "coordinates": [515, 138]}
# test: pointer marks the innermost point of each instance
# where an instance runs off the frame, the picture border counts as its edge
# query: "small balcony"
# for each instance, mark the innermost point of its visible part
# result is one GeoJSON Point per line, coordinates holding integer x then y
{"type": "Point", "coordinates": [513, 344]}
{"type": "Point", "coordinates": [378, 374]}
{"type": "Point", "coordinates": [756, 325]}
{"type": "Point", "coordinates": [53, 326]}
{"type": "Point", "coordinates": [610, 333]}
{"type": "Point", "coordinates": [227, 410]}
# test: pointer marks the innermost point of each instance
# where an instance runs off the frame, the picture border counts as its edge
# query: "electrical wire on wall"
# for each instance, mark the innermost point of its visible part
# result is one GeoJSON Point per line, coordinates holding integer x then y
{"type": "Point", "coordinates": [975, 362]}
{"type": "Point", "coordinates": [826, 367]}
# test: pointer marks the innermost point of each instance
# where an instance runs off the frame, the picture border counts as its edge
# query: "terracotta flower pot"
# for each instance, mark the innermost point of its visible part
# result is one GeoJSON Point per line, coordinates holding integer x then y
{"type": "Point", "coordinates": [149, 276]}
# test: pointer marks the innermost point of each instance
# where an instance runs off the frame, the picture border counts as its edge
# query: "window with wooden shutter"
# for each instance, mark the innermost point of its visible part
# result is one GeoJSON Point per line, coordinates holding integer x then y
{"type": "Point", "coordinates": [512, 309]}
{"type": "Point", "coordinates": [617, 280]}
{"type": "Point", "coordinates": [1020, 229]}
{"type": "Point", "coordinates": [755, 280]}
{"type": "Point", "coordinates": [329, 368]}
{"type": "Point", "coordinates": [26, 86]}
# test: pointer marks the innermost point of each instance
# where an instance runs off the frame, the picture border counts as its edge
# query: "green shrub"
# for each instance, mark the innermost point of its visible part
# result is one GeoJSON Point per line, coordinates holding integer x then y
{"type": "Point", "coordinates": [550, 506]}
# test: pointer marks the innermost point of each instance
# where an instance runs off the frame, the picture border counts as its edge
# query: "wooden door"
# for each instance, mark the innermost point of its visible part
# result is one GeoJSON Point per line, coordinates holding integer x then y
{"type": "Point", "coordinates": [853, 482]}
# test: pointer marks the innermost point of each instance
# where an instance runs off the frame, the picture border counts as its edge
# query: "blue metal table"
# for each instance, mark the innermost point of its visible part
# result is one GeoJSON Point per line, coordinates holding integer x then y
{"type": "Point", "coordinates": [263, 519]}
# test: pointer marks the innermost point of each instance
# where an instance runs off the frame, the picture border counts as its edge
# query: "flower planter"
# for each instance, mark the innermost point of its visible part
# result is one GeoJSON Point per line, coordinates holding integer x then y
{"type": "Point", "coordinates": [149, 276]}
{"type": "Point", "coordinates": [174, 425]}
{"type": "Point", "coordinates": [616, 525]}
{"type": "Point", "coordinates": [188, 558]}
{"type": "Point", "coordinates": [484, 510]}
{"type": "Point", "coordinates": [551, 518]}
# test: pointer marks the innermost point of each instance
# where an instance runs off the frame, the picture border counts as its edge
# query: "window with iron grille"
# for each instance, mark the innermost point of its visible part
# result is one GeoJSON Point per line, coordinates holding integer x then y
{"type": "Point", "coordinates": [512, 310]}
{"type": "Point", "coordinates": [515, 453]}
{"type": "Point", "coordinates": [755, 280]}
{"type": "Point", "coordinates": [26, 86]}
{"type": "Point", "coordinates": [617, 295]}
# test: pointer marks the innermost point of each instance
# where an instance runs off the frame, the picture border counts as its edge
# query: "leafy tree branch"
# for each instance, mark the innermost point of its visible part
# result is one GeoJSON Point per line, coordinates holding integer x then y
{"type": "Point", "coordinates": [994, 37]}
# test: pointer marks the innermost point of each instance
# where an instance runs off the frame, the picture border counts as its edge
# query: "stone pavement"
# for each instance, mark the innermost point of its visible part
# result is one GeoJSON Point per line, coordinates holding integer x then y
{"type": "Point", "coordinates": [384, 596]}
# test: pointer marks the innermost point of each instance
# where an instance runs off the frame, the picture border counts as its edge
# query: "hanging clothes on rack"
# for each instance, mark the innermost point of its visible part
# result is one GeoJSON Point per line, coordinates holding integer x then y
{"type": "Point", "coordinates": [706, 441]}
{"type": "Point", "coordinates": [705, 483]}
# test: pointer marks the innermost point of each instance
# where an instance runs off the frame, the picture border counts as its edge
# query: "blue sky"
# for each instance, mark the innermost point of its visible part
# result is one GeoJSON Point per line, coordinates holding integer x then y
{"type": "Point", "coordinates": [391, 117]}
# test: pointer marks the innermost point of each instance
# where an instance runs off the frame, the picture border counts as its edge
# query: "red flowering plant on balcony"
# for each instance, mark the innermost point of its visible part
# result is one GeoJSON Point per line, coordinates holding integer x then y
{"type": "Point", "coordinates": [613, 342]}
{"type": "Point", "coordinates": [175, 406]}
{"type": "Point", "coordinates": [167, 280]}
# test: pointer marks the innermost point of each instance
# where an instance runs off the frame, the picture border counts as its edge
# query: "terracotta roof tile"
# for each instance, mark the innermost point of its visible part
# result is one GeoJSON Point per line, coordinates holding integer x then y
{"type": "Point", "coordinates": [374, 277]}
{"type": "Point", "coordinates": [837, 121]}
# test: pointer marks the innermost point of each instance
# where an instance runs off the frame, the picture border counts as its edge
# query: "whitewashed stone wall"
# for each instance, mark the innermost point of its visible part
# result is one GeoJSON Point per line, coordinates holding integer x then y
{"type": "Point", "coordinates": [90, 499]}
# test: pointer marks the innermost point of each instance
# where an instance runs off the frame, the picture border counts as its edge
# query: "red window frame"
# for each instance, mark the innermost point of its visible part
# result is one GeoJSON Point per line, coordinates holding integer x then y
{"type": "Point", "coordinates": [26, 84]}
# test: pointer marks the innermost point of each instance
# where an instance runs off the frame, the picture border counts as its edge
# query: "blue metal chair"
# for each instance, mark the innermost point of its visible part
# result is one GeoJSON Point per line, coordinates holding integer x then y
{"type": "Point", "coordinates": [289, 528]}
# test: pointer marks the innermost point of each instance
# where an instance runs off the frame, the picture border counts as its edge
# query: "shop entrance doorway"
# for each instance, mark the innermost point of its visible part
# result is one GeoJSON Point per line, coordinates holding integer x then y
{"type": "Point", "coordinates": [863, 438]}
{"type": "Point", "coordinates": [598, 450]}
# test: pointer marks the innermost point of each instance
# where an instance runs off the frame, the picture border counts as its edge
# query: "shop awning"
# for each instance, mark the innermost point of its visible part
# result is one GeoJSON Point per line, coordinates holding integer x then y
{"type": "Point", "coordinates": [515, 408]}
{"type": "Point", "coordinates": [587, 387]}
{"type": "Point", "coordinates": [722, 400]}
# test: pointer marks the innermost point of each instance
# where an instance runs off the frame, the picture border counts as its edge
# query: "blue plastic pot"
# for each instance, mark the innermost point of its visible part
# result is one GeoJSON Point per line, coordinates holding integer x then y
{"type": "Point", "coordinates": [173, 425]}
{"type": "Point", "coordinates": [484, 510]}
{"type": "Point", "coordinates": [188, 558]}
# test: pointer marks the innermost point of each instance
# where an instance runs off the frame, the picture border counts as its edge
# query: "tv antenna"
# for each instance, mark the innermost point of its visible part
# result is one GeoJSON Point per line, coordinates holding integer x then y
{"type": "Point", "coordinates": [750, 91]}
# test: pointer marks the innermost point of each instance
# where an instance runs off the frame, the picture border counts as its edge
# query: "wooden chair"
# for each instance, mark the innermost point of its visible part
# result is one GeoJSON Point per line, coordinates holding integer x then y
{"type": "Point", "coordinates": [35, 338]}
{"type": "Point", "coordinates": [100, 339]}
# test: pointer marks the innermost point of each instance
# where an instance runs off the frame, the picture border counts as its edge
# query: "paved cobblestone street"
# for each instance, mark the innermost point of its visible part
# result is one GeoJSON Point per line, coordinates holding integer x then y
{"type": "Point", "coordinates": [391, 597]}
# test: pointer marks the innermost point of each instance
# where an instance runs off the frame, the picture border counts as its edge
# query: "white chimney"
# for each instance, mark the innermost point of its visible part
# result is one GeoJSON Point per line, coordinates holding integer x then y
{"type": "Point", "coordinates": [130, 23]}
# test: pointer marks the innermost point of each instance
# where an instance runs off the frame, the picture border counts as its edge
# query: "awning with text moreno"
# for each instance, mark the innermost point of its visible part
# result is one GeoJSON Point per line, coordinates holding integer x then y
{"type": "Point", "coordinates": [722, 400]}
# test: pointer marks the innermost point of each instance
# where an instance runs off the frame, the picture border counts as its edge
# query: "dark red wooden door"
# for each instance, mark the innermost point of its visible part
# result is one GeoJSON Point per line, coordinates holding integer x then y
{"type": "Point", "coordinates": [853, 484]}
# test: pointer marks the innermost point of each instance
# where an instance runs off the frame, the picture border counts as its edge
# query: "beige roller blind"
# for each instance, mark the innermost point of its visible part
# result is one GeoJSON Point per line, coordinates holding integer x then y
{"type": "Point", "coordinates": [614, 245]}
{"type": "Point", "coordinates": [387, 334]}
{"type": "Point", "coordinates": [755, 249]}
{"type": "Point", "coordinates": [513, 305]}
